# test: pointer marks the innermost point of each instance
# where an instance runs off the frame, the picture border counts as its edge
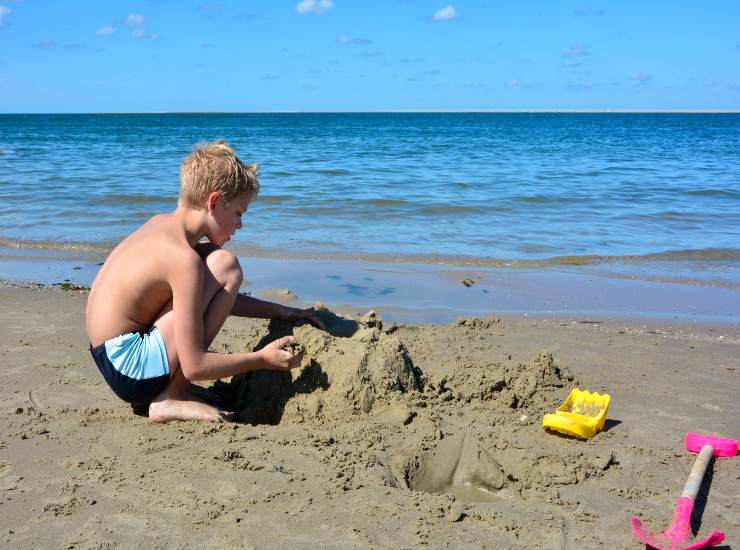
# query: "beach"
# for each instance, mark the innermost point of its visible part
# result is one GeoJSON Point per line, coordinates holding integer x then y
{"type": "Point", "coordinates": [472, 269]}
{"type": "Point", "coordinates": [344, 453]}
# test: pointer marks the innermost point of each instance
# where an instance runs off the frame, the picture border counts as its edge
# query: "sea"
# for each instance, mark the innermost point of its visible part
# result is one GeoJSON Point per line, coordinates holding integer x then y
{"type": "Point", "coordinates": [647, 195]}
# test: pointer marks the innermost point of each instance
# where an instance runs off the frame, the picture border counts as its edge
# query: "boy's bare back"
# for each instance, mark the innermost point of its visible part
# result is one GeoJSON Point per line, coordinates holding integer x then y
{"type": "Point", "coordinates": [135, 284]}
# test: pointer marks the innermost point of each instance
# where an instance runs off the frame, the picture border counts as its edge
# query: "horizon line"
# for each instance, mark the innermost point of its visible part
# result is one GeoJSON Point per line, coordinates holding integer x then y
{"type": "Point", "coordinates": [399, 111]}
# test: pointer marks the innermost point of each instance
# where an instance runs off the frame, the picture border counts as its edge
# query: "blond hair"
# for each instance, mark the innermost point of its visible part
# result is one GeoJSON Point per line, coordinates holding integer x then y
{"type": "Point", "coordinates": [215, 167]}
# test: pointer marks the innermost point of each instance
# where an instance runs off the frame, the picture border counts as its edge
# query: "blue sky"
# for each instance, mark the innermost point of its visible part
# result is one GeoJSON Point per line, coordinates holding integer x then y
{"type": "Point", "coordinates": [158, 55]}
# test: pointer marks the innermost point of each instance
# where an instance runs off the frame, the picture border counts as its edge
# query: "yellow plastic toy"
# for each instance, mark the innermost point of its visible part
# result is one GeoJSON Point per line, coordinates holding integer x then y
{"type": "Point", "coordinates": [581, 415]}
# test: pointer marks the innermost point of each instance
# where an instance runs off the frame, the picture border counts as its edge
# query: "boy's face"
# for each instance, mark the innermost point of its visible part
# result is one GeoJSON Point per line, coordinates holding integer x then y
{"type": "Point", "coordinates": [227, 216]}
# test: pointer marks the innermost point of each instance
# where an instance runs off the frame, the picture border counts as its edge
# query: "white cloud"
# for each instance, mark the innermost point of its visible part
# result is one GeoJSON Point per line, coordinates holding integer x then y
{"type": "Point", "coordinates": [370, 54]}
{"type": "Point", "coordinates": [580, 84]}
{"type": "Point", "coordinates": [105, 31]}
{"type": "Point", "coordinates": [313, 6]}
{"type": "Point", "coordinates": [445, 14]}
{"type": "Point", "coordinates": [144, 35]}
{"type": "Point", "coordinates": [516, 83]}
{"type": "Point", "coordinates": [4, 12]}
{"type": "Point", "coordinates": [139, 22]}
{"type": "Point", "coordinates": [135, 19]}
{"type": "Point", "coordinates": [641, 78]}
{"type": "Point", "coordinates": [344, 39]}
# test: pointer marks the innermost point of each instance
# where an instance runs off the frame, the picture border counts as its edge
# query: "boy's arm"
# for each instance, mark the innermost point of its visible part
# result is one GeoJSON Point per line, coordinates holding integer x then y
{"type": "Point", "coordinates": [186, 280]}
{"type": "Point", "coordinates": [246, 306]}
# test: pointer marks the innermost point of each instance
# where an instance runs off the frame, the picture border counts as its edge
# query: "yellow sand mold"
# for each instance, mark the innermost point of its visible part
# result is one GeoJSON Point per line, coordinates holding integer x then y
{"type": "Point", "coordinates": [582, 414]}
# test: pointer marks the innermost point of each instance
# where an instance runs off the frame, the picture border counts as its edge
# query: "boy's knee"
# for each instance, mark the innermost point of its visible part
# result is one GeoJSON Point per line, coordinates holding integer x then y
{"type": "Point", "coordinates": [225, 267]}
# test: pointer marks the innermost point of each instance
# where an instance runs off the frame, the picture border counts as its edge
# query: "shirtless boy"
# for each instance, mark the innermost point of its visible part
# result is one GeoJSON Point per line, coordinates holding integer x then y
{"type": "Point", "coordinates": [162, 295]}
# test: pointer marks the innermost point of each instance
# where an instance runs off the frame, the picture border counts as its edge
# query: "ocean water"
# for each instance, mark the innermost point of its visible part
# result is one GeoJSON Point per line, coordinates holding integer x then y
{"type": "Point", "coordinates": [658, 193]}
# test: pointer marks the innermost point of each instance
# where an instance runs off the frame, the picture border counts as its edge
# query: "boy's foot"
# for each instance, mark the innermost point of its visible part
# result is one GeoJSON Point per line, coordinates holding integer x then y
{"type": "Point", "coordinates": [168, 409]}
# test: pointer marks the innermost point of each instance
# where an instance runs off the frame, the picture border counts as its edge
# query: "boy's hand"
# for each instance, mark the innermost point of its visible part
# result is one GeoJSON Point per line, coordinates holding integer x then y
{"type": "Point", "coordinates": [309, 315]}
{"type": "Point", "coordinates": [277, 358]}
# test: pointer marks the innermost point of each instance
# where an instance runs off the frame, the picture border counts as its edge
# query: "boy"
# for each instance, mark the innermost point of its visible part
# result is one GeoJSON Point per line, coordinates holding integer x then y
{"type": "Point", "coordinates": [162, 295]}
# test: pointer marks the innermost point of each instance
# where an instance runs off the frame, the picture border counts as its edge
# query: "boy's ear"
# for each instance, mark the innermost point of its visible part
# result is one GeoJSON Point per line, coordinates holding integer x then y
{"type": "Point", "coordinates": [212, 200]}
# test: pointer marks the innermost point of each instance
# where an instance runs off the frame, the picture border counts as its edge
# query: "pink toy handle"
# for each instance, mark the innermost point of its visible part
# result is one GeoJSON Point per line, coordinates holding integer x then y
{"type": "Point", "coordinates": [691, 489]}
{"type": "Point", "coordinates": [722, 446]}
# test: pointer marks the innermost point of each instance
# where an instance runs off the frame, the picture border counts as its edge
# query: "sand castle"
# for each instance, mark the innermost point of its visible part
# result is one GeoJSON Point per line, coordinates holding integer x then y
{"type": "Point", "coordinates": [360, 371]}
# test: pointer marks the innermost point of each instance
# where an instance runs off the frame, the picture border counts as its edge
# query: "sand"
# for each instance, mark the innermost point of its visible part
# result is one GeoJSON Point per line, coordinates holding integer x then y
{"type": "Point", "coordinates": [387, 436]}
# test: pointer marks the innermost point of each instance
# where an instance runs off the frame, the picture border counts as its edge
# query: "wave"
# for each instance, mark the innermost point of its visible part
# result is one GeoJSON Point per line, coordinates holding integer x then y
{"type": "Point", "coordinates": [131, 199]}
{"type": "Point", "coordinates": [694, 255]}
{"type": "Point", "coordinates": [703, 254]}
{"type": "Point", "coordinates": [452, 209]}
{"type": "Point", "coordinates": [665, 215]}
{"type": "Point", "coordinates": [720, 193]}
{"type": "Point", "coordinates": [329, 171]}
{"type": "Point", "coordinates": [281, 173]}
{"type": "Point", "coordinates": [64, 246]}
{"type": "Point", "coordinates": [546, 199]}
{"type": "Point", "coordinates": [273, 199]}
{"type": "Point", "coordinates": [690, 255]}
{"type": "Point", "coordinates": [388, 203]}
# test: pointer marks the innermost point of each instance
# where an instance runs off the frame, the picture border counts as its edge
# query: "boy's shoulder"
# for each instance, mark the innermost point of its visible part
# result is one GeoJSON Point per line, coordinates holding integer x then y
{"type": "Point", "coordinates": [163, 240]}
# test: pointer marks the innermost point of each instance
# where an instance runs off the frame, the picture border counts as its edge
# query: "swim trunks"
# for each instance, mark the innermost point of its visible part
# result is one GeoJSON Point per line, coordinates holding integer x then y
{"type": "Point", "coordinates": [135, 367]}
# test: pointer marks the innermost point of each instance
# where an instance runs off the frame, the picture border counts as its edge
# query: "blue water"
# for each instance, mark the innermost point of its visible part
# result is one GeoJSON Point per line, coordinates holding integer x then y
{"type": "Point", "coordinates": [487, 187]}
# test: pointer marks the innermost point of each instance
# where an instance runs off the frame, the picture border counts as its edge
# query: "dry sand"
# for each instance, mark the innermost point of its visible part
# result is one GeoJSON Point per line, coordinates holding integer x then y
{"type": "Point", "coordinates": [388, 436]}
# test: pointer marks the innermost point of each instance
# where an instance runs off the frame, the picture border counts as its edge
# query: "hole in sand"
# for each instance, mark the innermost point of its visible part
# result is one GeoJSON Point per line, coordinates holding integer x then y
{"type": "Point", "coordinates": [461, 467]}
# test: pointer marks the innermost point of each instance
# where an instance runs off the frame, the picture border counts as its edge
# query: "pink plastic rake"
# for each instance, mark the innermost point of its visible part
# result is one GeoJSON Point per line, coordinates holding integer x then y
{"type": "Point", "coordinates": [679, 536]}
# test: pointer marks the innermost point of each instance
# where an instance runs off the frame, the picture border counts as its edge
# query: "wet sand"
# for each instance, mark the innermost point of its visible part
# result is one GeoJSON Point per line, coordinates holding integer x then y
{"type": "Point", "coordinates": [426, 292]}
{"type": "Point", "coordinates": [348, 450]}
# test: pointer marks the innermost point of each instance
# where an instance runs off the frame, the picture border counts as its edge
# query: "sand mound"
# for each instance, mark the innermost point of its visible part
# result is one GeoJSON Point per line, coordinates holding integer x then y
{"type": "Point", "coordinates": [284, 294]}
{"type": "Point", "coordinates": [358, 367]}
{"type": "Point", "coordinates": [351, 369]}
{"type": "Point", "coordinates": [524, 385]}
{"type": "Point", "coordinates": [477, 323]}
{"type": "Point", "coordinates": [359, 378]}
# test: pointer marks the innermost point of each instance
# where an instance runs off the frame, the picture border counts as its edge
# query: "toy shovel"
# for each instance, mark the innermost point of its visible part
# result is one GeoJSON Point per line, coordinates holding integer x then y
{"type": "Point", "coordinates": [679, 536]}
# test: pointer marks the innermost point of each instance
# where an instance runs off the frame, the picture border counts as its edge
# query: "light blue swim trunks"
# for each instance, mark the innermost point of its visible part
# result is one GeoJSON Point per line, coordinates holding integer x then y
{"type": "Point", "coordinates": [135, 366]}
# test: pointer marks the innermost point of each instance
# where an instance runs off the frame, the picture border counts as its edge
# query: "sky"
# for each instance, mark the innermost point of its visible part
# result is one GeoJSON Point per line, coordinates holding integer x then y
{"type": "Point", "coordinates": [356, 55]}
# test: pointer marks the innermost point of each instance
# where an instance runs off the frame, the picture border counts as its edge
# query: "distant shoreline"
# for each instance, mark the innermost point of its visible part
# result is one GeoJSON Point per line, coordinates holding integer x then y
{"type": "Point", "coordinates": [411, 111]}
